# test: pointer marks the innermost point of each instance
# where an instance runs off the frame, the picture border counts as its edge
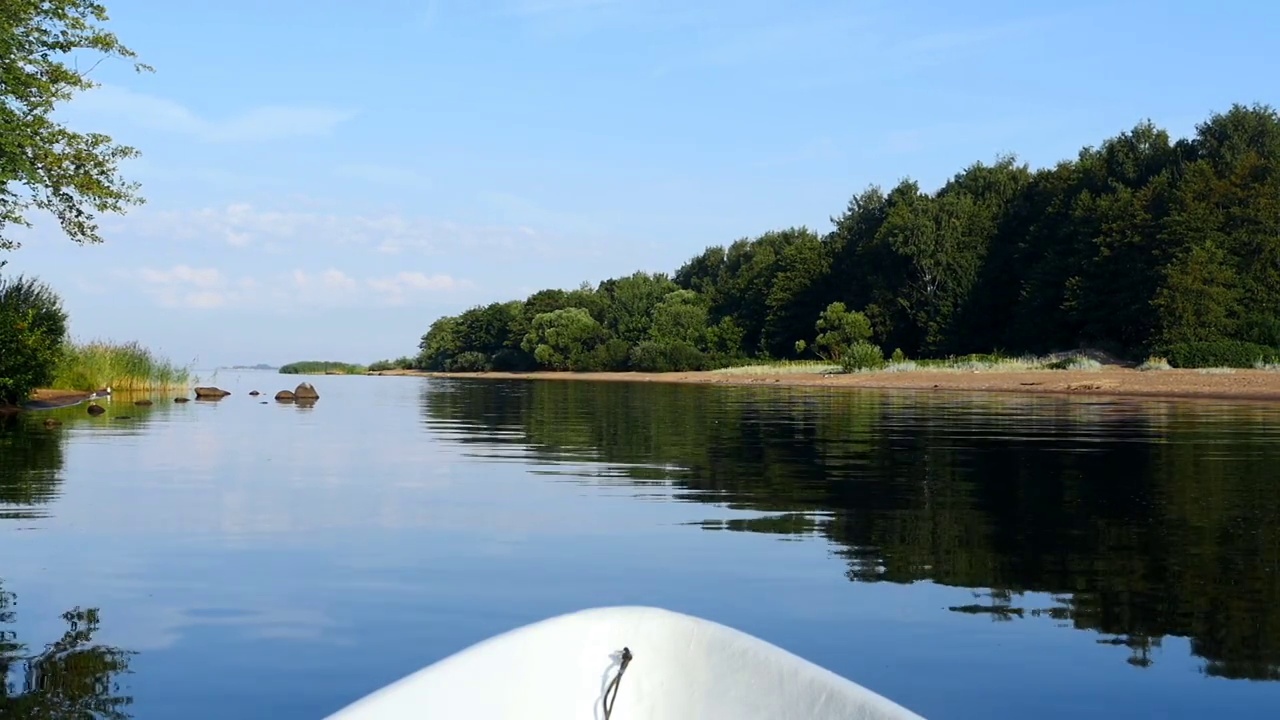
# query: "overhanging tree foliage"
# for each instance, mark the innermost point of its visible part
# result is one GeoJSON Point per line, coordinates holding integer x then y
{"type": "Point", "coordinates": [47, 50]}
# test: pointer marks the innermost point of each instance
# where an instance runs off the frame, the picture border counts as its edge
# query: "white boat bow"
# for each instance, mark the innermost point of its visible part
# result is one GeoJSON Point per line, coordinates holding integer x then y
{"type": "Point", "coordinates": [680, 668]}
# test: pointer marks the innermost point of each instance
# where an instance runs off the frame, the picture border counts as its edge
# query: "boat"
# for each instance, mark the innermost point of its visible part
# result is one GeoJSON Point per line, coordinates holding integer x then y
{"type": "Point", "coordinates": [624, 663]}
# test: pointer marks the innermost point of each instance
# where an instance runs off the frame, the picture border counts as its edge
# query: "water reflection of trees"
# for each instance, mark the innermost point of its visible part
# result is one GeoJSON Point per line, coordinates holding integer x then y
{"type": "Point", "coordinates": [31, 452]}
{"type": "Point", "coordinates": [1142, 521]}
{"type": "Point", "coordinates": [73, 677]}
{"type": "Point", "coordinates": [30, 466]}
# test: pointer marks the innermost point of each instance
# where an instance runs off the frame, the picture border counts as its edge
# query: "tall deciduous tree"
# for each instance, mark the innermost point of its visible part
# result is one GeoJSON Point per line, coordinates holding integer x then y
{"type": "Point", "coordinates": [45, 165]}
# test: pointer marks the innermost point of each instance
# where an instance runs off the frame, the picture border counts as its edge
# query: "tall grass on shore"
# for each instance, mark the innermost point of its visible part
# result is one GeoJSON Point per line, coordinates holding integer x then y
{"type": "Point", "coordinates": [966, 364]}
{"type": "Point", "coordinates": [782, 367]}
{"type": "Point", "coordinates": [120, 366]}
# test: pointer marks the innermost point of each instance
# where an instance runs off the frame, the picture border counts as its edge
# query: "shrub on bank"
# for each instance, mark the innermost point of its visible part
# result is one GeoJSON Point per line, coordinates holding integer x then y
{"type": "Point", "coordinates": [1154, 363]}
{"type": "Point", "coordinates": [1220, 353]}
{"type": "Point", "coordinates": [33, 328]}
{"type": "Point", "coordinates": [668, 356]}
{"type": "Point", "coordinates": [862, 356]}
{"type": "Point", "coordinates": [470, 361]}
{"type": "Point", "coordinates": [512, 360]}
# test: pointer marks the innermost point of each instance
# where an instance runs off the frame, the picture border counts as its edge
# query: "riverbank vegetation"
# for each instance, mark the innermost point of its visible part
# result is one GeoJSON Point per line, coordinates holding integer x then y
{"type": "Point", "coordinates": [120, 366]}
{"type": "Point", "coordinates": [38, 354]}
{"type": "Point", "coordinates": [1143, 246]}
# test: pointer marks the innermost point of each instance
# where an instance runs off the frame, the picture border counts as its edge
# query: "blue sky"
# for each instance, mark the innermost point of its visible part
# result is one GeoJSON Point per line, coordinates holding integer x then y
{"type": "Point", "coordinates": [325, 178]}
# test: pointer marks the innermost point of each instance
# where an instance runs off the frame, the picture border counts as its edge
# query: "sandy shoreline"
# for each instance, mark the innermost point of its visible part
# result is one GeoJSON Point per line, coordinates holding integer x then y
{"type": "Point", "coordinates": [1238, 385]}
{"type": "Point", "coordinates": [1252, 385]}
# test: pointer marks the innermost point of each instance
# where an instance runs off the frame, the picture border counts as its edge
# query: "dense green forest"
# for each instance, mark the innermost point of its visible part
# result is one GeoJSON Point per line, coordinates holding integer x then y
{"type": "Point", "coordinates": [1143, 245]}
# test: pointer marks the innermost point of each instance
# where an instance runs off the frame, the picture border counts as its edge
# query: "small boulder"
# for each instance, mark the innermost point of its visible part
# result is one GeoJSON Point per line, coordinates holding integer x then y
{"type": "Point", "coordinates": [254, 393]}
{"type": "Point", "coordinates": [95, 409]}
{"type": "Point", "coordinates": [304, 391]}
{"type": "Point", "coordinates": [211, 393]}
{"type": "Point", "coordinates": [181, 399]}
{"type": "Point", "coordinates": [142, 403]}
{"type": "Point", "coordinates": [285, 396]}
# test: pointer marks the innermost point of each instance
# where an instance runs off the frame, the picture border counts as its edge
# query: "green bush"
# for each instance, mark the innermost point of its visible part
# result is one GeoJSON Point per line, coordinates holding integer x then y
{"type": "Point", "coordinates": [512, 360]}
{"type": "Point", "coordinates": [470, 361]}
{"type": "Point", "coordinates": [678, 356]}
{"type": "Point", "coordinates": [608, 356]}
{"type": "Point", "coordinates": [1219, 353]}
{"type": "Point", "coordinates": [862, 356]}
{"type": "Point", "coordinates": [33, 331]}
{"type": "Point", "coordinates": [1264, 330]}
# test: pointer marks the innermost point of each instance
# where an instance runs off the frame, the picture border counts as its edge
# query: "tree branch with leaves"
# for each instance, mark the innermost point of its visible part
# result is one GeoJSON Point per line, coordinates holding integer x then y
{"type": "Point", "coordinates": [45, 165]}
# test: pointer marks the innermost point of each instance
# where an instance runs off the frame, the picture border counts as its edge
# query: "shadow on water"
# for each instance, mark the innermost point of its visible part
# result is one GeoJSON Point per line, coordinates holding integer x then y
{"type": "Point", "coordinates": [72, 677]}
{"type": "Point", "coordinates": [32, 449]}
{"type": "Point", "coordinates": [1139, 520]}
{"type": "Point", "coordinates": [31, 461]}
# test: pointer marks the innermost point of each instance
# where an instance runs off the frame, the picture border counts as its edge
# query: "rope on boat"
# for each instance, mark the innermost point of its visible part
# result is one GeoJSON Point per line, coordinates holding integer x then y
{"type": "Point", "coordinates": [613, 684]}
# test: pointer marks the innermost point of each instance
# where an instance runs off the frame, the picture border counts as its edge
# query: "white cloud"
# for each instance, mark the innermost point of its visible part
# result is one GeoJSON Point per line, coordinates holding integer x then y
{"type": "Point", "coordinates": [399, 288]}
{"type": "Point", "coordinates": [330, 279]}
{"type": "Point", "coordinates": [183, 274]}
{"type": "Point", "coordinates": [242, 225]}
{"type": "Point", "coordinates": [268, 122]}
{"type": "Point", "coordinates": [183, 286]}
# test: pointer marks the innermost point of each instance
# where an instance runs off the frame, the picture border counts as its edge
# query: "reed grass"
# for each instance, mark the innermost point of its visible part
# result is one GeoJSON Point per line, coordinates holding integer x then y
{"type": "Point", "coordinates": [120, 366]}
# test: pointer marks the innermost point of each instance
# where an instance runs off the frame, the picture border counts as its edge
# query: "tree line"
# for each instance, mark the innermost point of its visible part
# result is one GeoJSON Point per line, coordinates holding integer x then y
{"type": "Point", "coordinates": [1144, 245]}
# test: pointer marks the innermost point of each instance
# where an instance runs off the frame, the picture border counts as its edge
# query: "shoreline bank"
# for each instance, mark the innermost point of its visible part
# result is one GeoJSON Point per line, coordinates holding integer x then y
{"type": "Point", "coordinates": [46, 399]}
{"type": "Point", "coordinates": [1244, 385]}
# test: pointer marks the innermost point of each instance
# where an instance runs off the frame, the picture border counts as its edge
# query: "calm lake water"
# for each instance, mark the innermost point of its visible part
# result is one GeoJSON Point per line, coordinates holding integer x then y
{"type": "Point", "coordinates": [969, 557]}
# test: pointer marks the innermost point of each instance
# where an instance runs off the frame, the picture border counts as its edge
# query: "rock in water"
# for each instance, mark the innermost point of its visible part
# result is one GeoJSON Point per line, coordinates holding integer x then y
{"type": "Point", "coordinates": [304, 391]}
{"type": "Point", "coordinates": [211, 393]}
{"type": "Point", "coordinates": [95, 409]}
{"type": "Point", "coordinates": [285, 396]}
